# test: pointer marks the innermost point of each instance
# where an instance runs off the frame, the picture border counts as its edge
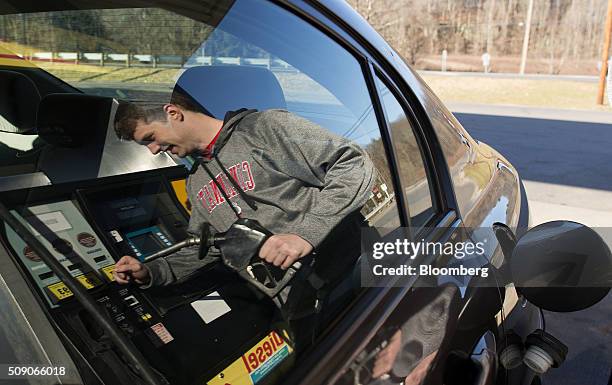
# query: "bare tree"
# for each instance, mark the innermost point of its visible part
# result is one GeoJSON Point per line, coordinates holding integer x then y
{"type": "Point", "coordinates": [560, 28]}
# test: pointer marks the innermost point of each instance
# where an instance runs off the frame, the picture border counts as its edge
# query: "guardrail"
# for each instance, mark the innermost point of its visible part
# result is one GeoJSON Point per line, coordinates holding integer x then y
{"type": "Point", "coordinates": [154, 61]}
{"type": "Point", "coordinates": [377, 209]}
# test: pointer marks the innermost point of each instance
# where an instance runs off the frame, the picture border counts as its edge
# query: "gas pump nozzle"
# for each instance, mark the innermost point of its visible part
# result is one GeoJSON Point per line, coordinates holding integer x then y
{"type": "Point", "coordinates": [239, 247]}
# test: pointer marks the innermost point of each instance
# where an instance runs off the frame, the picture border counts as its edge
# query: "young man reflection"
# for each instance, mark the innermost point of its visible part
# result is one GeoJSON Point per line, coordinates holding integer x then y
{"type": "Point", "coordinates": [300, 181]}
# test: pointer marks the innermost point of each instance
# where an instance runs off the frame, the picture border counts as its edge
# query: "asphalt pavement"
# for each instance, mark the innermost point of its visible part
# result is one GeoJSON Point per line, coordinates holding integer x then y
{"type": "Point", "coordinates": [564, 157]}
{"type": "Point", "coordinates": [509, 75]}
{"type": "Point", "coordinates": [565, 160]}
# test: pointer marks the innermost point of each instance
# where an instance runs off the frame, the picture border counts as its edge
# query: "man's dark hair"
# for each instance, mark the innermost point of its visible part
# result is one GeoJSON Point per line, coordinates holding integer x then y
{"type": "Point", "coordinates": [129, 114]}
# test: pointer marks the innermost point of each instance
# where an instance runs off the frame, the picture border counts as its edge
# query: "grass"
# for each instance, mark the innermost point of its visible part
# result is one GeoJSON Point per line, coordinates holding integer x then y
{"type": "Point", "coordinates": [549, 93]}
{"type": "Point", "coordinates": [77, 73]}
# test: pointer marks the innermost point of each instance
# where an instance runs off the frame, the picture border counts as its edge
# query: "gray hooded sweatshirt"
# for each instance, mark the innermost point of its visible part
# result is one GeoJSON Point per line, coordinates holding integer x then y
{"type": "Point", "coordinates": [302, 178]}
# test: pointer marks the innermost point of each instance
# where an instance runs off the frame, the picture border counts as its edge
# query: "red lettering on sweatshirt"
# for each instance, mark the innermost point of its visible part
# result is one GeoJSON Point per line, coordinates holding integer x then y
{"type": "Point", "coordinates": [205, 198]}
{"type": "Point", "coordinates": [250, 183]}
{"type": "Point", "coordinates": [234, 173]}
{"type": "Point", "coordinates": [216, 192]}
{"type": "Point", "coordinates": [227, 187]}
{"type": "Point", "coordinates": [210, 195]}
{"type": "Point", "coordinates": [209, 199]}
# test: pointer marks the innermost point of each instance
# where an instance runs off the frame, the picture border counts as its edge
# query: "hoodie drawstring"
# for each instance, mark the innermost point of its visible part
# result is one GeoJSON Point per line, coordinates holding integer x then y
{"type": "Point", "coordinates": [212, 177]}
{"type": "Point", "coordinates": [247, 199]}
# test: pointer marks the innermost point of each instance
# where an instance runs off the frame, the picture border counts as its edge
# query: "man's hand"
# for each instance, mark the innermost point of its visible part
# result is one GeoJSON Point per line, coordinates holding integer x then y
{"type": "Point", "coordinates": [386, 357]}
{"type": "Point", "coordinates": [284, 249]}
{"type": "Point", "coordinates": [130, 269]}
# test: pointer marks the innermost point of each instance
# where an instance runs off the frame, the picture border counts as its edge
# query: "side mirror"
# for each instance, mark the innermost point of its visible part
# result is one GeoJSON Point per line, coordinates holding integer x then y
{"type": "Point", "coordinates": [562, 266]}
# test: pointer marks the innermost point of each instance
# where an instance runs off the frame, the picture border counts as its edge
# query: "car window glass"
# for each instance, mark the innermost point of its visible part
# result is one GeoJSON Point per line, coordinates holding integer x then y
{"type": "Point", "coordinates": [410, 342]}
{"type": "Point", "coordinates": [225, 55]}
{"type": "Point", "coordinates": [7, 126]}
{"type": "Point", "coordinates": [139, 53]}
{"type": "Point", "coordinates": [409, 155]}
{"type": "Point", "coordinates": [314, 78]}
{"type": "Point", "coordinates": [333, 95]}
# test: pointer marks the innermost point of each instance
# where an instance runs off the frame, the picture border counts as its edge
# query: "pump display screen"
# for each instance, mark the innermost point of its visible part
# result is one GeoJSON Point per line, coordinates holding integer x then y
{"type": "Point", "coordinates": [146, 243]}
{"type": "Point", "coordinates": [138, 217]}
{"type": "Point", "coordinates": [126, 209]}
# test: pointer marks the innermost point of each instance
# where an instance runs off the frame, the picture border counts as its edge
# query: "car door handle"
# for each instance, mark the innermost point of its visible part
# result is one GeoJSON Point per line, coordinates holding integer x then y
{"type": "Point", "coordinates": [485, 359]}
{"type": "Point", "coordinates": [487, 363]}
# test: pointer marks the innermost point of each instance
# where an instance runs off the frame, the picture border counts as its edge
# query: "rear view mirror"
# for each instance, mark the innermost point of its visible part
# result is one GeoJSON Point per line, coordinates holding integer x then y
{"type": "Point", "coordinates": [562, 266]}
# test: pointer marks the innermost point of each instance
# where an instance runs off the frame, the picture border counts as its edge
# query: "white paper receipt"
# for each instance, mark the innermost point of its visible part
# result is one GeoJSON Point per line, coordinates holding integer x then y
{"type": "Point", "coordinates": [211, 307]}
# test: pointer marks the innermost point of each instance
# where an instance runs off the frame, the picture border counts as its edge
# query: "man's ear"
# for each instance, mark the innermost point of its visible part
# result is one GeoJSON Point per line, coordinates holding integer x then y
{"type": "Point", "coordinates": [173, 112]}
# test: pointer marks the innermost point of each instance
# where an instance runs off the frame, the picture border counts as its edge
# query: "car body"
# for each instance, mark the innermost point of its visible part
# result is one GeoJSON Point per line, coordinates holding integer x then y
{"type": "Point", "coordinates": [457, 188]}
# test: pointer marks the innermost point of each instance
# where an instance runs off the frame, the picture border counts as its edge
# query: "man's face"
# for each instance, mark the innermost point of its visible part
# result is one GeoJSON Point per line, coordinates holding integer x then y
{"type": "Point", "coordinates": [161, 136]}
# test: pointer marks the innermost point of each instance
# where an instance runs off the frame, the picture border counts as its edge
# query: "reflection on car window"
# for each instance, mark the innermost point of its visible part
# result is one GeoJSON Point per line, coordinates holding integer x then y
{"type": "Point", "coordinates": [331, 93]}
{"type": "Point", "coordinates": [247, 63]}
{"type": "Point", "coordinates": [133, 53]}
{"type": "Point", "coordinates": [245, 53]}
{"type": "Point", "coordinates": [410, 342]}
{"type": "Point", "coordinates": [413, 174]}
{"type": "Point", "coordinates": [6, 126]}
{"type": "Point", "coordinates": [18, 153]}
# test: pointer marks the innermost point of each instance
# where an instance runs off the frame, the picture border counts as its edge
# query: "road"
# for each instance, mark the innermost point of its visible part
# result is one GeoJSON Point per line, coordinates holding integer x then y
{"type": "Point", "coordinates": [565, 159]}
{"type": "Point", "coordinates": [505, 75]}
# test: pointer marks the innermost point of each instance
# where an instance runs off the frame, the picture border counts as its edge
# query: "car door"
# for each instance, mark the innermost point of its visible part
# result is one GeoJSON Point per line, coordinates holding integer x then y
{"type": "Point", "coordinates": [426, 329]}
{"type": "Point", "coordinates": [442, 328]}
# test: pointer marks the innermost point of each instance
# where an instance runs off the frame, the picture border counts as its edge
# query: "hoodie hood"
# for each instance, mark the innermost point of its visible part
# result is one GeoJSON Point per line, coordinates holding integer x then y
{"type": "Point", "coordinates": [230, 121]}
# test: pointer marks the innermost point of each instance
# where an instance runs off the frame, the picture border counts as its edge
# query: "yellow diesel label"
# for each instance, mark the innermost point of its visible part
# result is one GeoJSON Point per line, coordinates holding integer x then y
{"type": "Point", "coordinates": [108, 272]}
{"type": "Point", "coordinates": [61, 291]}
{"type": "Point", "coordinates": [89, 281]}
{"type": "Point", "coordinates": [256, 363]}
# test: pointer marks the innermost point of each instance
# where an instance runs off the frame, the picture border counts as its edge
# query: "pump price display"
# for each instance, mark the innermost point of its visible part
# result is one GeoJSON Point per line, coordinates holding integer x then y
{"type": "Point", "coordinates": [59, 291]}
{"type": "Point", "coordinates": [256, 363]}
